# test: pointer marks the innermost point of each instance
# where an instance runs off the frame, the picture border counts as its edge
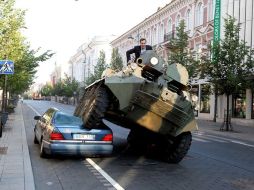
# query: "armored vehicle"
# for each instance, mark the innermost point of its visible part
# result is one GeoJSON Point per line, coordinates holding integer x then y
{"type": "Point", "coordinates": [149, 97]}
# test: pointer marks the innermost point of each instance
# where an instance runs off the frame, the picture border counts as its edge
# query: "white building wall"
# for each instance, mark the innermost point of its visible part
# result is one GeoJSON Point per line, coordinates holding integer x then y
{"type": "Point", "coordinates": [81, 64]}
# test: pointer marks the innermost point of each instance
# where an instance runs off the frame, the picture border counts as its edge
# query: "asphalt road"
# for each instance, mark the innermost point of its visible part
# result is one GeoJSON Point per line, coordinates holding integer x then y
{"type": "Point", "coordinates": [213, 162]}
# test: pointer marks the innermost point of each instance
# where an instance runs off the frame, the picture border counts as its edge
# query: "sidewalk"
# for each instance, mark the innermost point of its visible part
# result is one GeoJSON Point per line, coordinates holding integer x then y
{"type": "Point", "coordinates": [240, 132]}
{"type": "Point", "coordinates": [15, 165]}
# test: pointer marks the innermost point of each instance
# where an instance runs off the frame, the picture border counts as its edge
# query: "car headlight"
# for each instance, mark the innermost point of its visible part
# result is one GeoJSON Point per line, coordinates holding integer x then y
{"type": "Point", "coordinates": [154, 61]}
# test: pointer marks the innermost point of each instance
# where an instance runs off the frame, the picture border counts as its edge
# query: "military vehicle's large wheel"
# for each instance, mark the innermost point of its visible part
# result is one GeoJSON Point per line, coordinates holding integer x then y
{"type": "Point", "coordinates": [178, 147]}
{"type": "Point", "coordinates": [95, 108]}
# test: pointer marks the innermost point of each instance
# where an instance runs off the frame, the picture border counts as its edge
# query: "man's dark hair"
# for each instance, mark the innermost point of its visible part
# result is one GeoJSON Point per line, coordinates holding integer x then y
{"type": "Point", "coordinates": [141, 39]}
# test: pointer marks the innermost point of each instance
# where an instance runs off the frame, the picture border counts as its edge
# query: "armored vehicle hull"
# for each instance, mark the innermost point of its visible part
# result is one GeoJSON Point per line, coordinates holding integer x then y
{"type": "Point", "coordinates": [149, 98]}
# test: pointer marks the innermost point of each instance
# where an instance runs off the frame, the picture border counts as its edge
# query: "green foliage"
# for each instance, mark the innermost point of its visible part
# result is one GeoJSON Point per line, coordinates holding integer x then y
{"type": "Point", "coordinates": [231, 62]}
{"type": "Point", "coordinates": [70, 86]}
{"type": "Point", "coordinates": [66, 87]}
{"type": "Point", "coordinates": [101, 65]}
{"type": "Point", "coordinates": [58, 89]}
{"type": "Point", "coordinates": [98, 69]}
{"type": "Point", "coordinates": [116, 60]}
{"type": "Point", "coordinates": [179, 52]}
{"type": "Point", "coordinates": [90, 80]}
{"type": "Point", "coordinates": [16, 49]}
{"type": "Point", "coordinates": [25, 70]}
{"type": "Point", "coordinates": [46, 90]}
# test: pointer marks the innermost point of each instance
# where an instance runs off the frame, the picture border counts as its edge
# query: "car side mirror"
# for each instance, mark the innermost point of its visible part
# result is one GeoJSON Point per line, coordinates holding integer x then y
{"type": "Point", "coordinates": [37, 117]}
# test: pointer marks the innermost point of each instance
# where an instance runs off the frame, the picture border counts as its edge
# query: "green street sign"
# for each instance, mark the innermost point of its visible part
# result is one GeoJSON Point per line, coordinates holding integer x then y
{"type": "Point", "coordinates": [216, 34]}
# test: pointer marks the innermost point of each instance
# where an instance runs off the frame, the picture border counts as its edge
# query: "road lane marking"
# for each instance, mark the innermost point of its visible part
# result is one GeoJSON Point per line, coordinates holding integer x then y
{"type": "Point", "coordinates": [34, 109]}
{"type": "Point", "coordinates": [216, 138]}
{"type": "Point", "coordinates": [242, 143]}
{"type": "Point", "coordinates": [104, 174]}
{"type": "Point", "coordinates": [198, 139]}
{"type": "Point", "coordinates": [211, 138]}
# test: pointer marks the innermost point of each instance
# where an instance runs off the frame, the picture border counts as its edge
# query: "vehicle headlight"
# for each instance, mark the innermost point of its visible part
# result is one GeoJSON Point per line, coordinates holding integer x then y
{"type": "Point", "coordinates": [194, 98]}
{"type": "Point", "coordinates": [134, 66]}
{"type": "Point", "coordinates": [154, 61]}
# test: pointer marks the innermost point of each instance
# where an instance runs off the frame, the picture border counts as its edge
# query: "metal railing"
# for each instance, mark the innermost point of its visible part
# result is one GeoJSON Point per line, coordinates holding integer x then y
{"type": "Point", "coordinates": [168, 36]}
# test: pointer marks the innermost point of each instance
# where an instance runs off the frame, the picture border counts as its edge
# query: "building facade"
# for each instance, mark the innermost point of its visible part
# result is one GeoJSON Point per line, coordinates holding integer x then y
{"type": "Point", "coordinates": [81, 65]}
{"type": "Point", "coordinates": [198, 15]}
{"type": "Point", "coordinates": [55, 76]}
{"type": "Point", "coordinates": [243, 11]}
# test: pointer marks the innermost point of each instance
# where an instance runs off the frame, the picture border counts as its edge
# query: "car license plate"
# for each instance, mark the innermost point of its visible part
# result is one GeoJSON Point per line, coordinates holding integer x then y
{"type": "Point", "coordinates": [83, 136]}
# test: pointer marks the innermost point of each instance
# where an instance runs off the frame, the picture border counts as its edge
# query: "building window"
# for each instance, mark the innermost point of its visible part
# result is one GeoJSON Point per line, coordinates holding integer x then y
{"type": "Point", "coordinates": [154, 41]}
{"type": "Point", "coordinates": [210, 10]}
{"type": "Point", "coordinates": [199, 14]}
{"type": "Point", "coordinates": [197, 51]}
{"type": "Point", "coordinates": [177, 21]}
{"type": "Point", "coordinates": [169, 26]}
{"type": "Point", "coordinates": [239, 104]}
{"type": "Point", "coordinates": [188, 20]}
{"type": "Point", "coordinates": [148, 39]}
{"type": "Point", "coordinates": [151, 36]}
{"type": "Point", "coordinates": [161, 33]}
{"type": "Point", "coordinates": [205, 98]}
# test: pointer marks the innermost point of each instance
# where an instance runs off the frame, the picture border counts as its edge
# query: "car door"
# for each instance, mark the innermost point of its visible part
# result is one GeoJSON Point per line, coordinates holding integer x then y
{"type": "Point", "coordinates": [44, 123]}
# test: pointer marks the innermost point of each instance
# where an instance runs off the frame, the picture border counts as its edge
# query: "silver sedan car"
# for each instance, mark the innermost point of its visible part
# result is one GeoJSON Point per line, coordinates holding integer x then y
{"type": "Point", "coordinates": [60, 133]}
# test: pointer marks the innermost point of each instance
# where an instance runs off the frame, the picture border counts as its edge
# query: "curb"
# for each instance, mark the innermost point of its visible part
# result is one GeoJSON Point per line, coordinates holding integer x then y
{"type": "Point", "coordinates": [29, 178]}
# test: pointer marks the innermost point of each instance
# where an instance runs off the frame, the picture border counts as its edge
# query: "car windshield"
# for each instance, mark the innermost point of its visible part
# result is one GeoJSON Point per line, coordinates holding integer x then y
{"type": "Point", "coordinates": [65, 119]}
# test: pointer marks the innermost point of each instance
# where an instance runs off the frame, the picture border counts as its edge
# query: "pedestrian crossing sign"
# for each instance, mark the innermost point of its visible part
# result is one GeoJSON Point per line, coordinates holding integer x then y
{"type": "Point", "coordinates": [6, 67]}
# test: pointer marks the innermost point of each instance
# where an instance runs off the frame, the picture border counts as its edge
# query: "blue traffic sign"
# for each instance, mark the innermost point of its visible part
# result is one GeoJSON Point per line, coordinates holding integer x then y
{"type": "Point", "coordinates": [6, 67]}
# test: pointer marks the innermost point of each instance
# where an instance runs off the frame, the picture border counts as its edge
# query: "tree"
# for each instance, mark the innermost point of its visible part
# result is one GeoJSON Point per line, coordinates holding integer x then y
{"type": "Point", "coordinates": [46, 90]}
{"type": "Point", "coordinates": [58, 89]}
{"type": "Point", "coordinates": [231, 63]}
{"type": "Point", "coordinates": [69, 86]}
{"type": "Point", "coordinates": [180, 52]}
{"type": "Point", "coordinates": [98, 69]}
{"type": "Point", "coordinates": [116, 60]}
{"type": "Point", "coordinates": [25, 70]}
{"type": "Point", "coordinates": [101, 65]}
{"type": "Point", "coordinates": [16, 49]}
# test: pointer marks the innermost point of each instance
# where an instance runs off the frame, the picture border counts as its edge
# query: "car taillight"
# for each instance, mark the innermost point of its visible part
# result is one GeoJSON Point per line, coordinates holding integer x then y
{"type": "Point", "coordinates": [108, 137]}
{"type": "Point", "coordinates": [56, 136]}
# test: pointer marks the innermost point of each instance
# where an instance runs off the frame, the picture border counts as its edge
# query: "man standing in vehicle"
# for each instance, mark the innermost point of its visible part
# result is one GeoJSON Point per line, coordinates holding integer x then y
{"type": "Point", "coordinates": [138, 50]}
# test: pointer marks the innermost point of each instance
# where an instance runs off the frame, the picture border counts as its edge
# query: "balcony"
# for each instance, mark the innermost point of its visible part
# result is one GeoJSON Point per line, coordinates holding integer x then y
{"type": "Point", "coordinates": [168, 36]}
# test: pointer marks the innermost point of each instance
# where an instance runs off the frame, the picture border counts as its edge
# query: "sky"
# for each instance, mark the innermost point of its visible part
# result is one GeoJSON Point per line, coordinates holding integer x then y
{"type": "Point", "coordinates": [63, 25]}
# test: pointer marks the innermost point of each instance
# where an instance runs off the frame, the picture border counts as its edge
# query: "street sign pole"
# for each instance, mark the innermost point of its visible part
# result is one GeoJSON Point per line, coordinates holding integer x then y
{"type": "Point", "coordinates": [217, 15]}
{"type": "Point", "coordinates": [4, 100]}
{"type": "Point", "coordinates": [216, 41]}
{"type": "Point", "coordinates": [6, 68]}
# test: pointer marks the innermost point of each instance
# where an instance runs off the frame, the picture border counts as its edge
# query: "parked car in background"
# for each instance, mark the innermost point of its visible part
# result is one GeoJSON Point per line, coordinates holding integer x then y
{"type": "Point", "coordinates": [61, 133]}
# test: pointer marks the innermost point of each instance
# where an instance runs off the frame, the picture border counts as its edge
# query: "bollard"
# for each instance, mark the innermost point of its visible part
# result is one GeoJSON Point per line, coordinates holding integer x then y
{"type": "Point", "coordinates": [1, 127]}
{"type": "Point", "coordinates": [4, 117]}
